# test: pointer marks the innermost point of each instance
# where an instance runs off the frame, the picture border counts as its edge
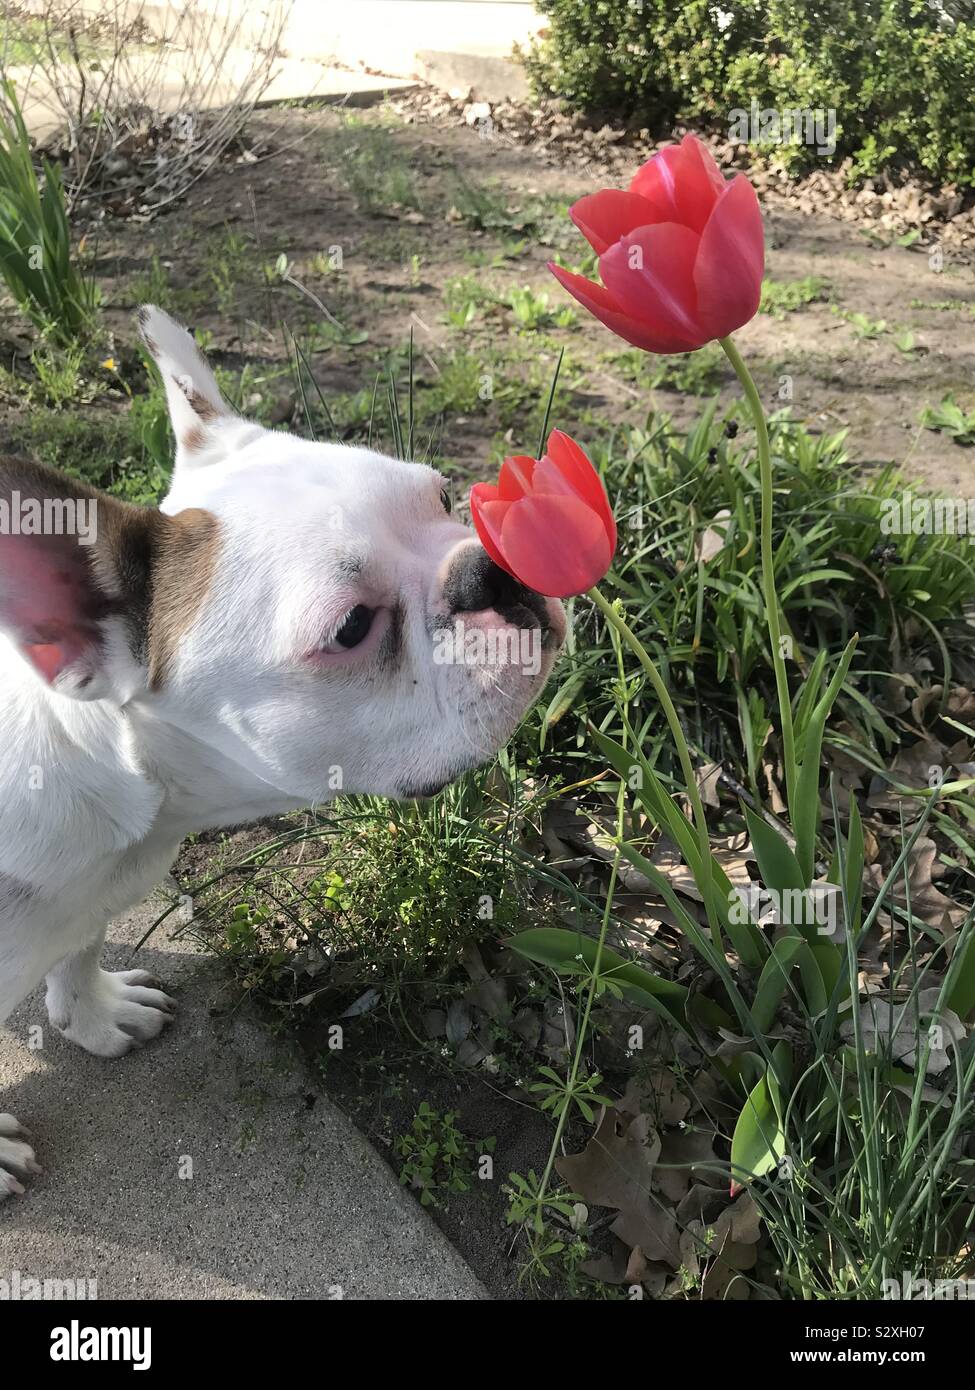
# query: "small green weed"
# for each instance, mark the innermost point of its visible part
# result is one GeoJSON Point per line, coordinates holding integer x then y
{"type": "Point", "coordinates": [863, 325]}
{"type": "Point", "coordinates": [781, 297]}
{"type": "Point", "coordinates": [375, 169]}
{"type": "Point", "coordinates": [949, 418]}
{"type": "Point", "coordinates": [437, 1160]}
{"type": "Point", "coordinates": [532, 310]}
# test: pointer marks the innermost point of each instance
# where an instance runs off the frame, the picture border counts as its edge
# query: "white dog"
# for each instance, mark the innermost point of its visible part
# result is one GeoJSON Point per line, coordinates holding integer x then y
{"type": "Point", "coordinates": [263, 641]}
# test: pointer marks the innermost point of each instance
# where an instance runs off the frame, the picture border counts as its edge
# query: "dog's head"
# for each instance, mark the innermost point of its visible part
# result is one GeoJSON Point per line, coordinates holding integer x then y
{"type": "Point", "coordinates": [311, 612]}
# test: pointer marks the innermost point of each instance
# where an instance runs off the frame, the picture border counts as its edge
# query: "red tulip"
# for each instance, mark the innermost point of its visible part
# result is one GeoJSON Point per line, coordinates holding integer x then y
{"type": "Point", "coordinates": [681, 254]}
{"type": "Point", "coordinates": [548, 522]}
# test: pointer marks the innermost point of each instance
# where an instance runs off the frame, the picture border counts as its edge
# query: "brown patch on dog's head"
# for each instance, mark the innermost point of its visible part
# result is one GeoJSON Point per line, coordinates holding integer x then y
{"type": "Point", "coordinates": [185, 557]}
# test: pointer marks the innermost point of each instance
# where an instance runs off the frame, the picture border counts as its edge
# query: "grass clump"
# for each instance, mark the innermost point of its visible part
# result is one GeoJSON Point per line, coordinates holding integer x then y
{"type": "Point", "coordinates": [37, 262]}
{"type": "Point", "coordinates": [687, 569]}
{"type": "Point", "coordinates": [396, 891]}
{"type": "Point", "coordinates": [127, 451]}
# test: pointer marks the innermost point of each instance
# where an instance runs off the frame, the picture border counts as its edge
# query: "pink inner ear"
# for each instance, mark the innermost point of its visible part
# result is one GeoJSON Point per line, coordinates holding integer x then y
{"type": "Point", "coordinates": [47, 601]}
{"type": "Point", "coordinates": [47, 659]}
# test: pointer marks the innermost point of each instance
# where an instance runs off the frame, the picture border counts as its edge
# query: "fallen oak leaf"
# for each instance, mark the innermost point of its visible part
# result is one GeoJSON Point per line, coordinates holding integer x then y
{"type": "Point", "coordinates": [652, 1229]}
{"type": "Point", "coordinates": [685, 1155]}
{"type": "Point", "coordinates": [658, 1095]}
{"type": "Point", "coordinates": [615, 1170]}
{"type": "Point", "coordinates": [926, 900]}
{"type": "Point", "coordinates": [909, 1029]}
{"type": "Point", "coordinates": [723, 1280]}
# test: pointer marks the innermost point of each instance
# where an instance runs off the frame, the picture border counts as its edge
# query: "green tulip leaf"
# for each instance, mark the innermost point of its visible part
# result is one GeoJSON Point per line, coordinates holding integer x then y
{"type": "Point", "coordinates": [758, 1142]}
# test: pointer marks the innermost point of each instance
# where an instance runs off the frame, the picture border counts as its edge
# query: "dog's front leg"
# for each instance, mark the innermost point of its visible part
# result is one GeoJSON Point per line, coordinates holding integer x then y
{"type": "Point", "coordinates": [102, 1011]}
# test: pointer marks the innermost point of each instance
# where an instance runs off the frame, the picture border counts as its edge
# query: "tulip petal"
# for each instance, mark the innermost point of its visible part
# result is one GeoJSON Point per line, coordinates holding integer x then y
{"type": "Point", "coordinates": [604, 217]}
{"type": "Point", "coordinates": [731, 261]}
{"type": "Point", "coordinates": [555, 545]}
{"type": "Point", "coordinates": [604, 307]}
{"type": "Point", "coordinates": [651, 275]}
{"type": "Point", "coordinates": [576, 467]}
{"type": "Point", "coordinates": [487, 514]}
{"type": "Point", "coordinates": [682, 182]}
{"type": "Point", "coordinates": [515, 478]}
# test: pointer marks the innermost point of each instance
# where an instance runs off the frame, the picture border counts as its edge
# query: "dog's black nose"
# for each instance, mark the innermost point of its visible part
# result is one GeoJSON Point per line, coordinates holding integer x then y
{"type": "Point", "coordinates": [474, 582]}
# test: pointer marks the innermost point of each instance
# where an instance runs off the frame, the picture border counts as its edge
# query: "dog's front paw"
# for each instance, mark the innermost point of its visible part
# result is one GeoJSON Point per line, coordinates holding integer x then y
{"type": "Point", "coordinates": [118, 1011]}
{"type": "Point", "coordinates": [16, 1157]}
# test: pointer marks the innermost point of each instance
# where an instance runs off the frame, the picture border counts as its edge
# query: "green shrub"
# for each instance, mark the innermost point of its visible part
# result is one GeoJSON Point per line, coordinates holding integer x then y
{"type": "Point", "coordinates": [656, 60]}
{"type": "Point", "coordinates": [897, 74]}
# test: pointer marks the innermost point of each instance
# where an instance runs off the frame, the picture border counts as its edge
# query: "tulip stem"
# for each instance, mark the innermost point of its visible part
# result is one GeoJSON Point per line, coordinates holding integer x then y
{"type": "Point", "coordinates": [617, 621]}
{"type": "Point", "coordinates": [768, 568]}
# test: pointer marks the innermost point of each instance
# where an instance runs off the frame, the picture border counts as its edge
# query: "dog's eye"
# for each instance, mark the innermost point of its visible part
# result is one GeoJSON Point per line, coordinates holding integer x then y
{"type": "Point", "coordinates": [445, 499]}
{"type": "Point", "coordinates": [355, 628]}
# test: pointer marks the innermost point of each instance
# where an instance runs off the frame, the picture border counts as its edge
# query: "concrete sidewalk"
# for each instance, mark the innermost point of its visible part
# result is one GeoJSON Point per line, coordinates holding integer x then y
{"type": "Point", "coordinates": [286, 1198]}
{"type": "Point", "coordinates": [295, 79]}
{"type": "Point", "coordinates": [328, 51]}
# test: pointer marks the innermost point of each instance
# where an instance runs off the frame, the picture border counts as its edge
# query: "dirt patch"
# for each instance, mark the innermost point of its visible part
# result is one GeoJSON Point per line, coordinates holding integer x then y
{"type": "Point", "coordinates": [374, 219]}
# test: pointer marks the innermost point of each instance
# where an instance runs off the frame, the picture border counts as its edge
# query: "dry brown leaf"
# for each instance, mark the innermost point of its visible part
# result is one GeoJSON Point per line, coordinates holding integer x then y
{"type": "Point", "coordinates": [615, 1170]}
{"type": "Point", "coordinates": [723, 1280]}
{"type": "Point", "coordinates": [913, 768]}
{"type": "Point", "coordinates": [666, 858]}
{"type": "Point", "coordinates": [894, 699]}
{"type": "Point", "coordinates": [651, 1228]}
{"type": "Point", "coordinates": [636, 1266]}
{"type": "Point", "coordinates": [597, 839]}
{"type": "Point", "coordinates": [960, 704]}
{"type": "Point", "coordinates": [688, 1154]}
{"type": "Point", "coordinates": [906, 1029]}
{"type": "Point", "coordinates": [707, 778]}
{"type": "Point", "coordinates": [657, 1095]}
{"type": "Point", "coordinates": [608, 1268]}
{"type": "Point", "coordinates": [717, 1251]}
{"type": "Point", "coordinates": [492, 997]}
{"type": "Point", "coordinates": [927, 901]}
{"type": "Point", "coordinates": [711, 541]}
{"type": "Point", "coordinates": [616, 1166]}
{"type": "Point", "coordinates": [703, 1204]}
{"type": "Point", "coordinates": [613, 1268]}
{"type": "Point", "coordinates": [743, 1221]}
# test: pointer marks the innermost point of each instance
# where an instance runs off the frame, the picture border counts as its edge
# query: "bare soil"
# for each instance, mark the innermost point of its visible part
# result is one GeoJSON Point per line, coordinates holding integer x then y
{"type": "Point", "coordinates": [397, 259]}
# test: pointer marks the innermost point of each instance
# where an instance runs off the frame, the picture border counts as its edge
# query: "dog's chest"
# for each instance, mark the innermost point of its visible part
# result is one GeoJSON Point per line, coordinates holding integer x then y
{"type": "Point", "coordinates": [75, 805]}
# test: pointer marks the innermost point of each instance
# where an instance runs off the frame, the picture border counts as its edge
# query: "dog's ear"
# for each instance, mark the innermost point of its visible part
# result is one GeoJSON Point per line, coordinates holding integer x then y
{"type": "Point", "coordinates": [197, 410]}
{"type": "Point", "coordinates": [95, 593]}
